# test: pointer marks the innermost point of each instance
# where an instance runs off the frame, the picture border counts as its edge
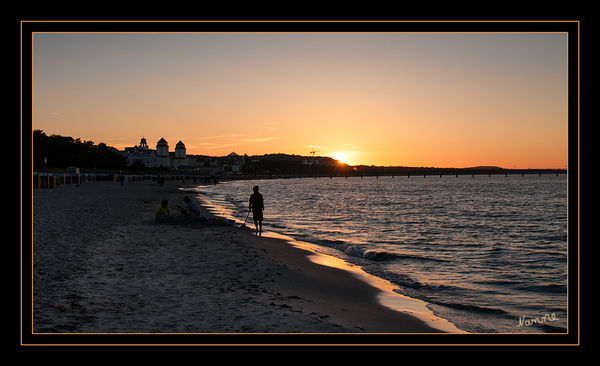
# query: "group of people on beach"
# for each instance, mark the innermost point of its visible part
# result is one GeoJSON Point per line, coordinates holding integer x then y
{"type": "Point", "coordinates": [256, 206]}
{"type": "Point", "coordinates": [163, 209]}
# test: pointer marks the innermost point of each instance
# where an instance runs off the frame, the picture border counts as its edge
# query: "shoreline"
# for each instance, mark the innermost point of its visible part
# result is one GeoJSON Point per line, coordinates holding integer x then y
{"type": "Point", "coordinates": [383, 294]}
{"type": "Point", "coordinates": [104, 266]}
{"type": "Point", "coordinates": [384, 290]}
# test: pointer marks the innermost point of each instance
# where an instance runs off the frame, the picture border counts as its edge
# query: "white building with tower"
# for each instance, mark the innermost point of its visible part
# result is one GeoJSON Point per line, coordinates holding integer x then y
{"type": "Point", "coordinates": [158, 158]}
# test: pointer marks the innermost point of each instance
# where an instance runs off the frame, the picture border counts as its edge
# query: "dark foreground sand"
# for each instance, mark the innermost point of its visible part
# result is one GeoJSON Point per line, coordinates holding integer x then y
{"type": "Point", "coordinates": [103, 265]}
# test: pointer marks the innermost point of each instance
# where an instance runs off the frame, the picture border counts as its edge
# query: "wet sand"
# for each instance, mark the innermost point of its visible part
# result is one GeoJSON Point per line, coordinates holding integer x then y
{"type": "Point", "coordinates": [103, 265]}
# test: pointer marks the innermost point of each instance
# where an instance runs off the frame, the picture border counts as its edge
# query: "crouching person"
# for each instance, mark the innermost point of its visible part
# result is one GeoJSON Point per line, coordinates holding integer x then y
{"type": "Point", "coordinates": [162, 211]}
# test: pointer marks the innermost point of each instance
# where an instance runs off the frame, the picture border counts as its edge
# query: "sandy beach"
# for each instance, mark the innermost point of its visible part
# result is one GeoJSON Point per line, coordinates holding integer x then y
{"type": "Point", "coordinates": [103, 265]}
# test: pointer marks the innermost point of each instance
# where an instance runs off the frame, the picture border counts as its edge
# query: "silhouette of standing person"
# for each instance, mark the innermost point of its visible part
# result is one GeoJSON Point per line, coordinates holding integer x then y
{"type": "Point", "coordinates": [257, 207]}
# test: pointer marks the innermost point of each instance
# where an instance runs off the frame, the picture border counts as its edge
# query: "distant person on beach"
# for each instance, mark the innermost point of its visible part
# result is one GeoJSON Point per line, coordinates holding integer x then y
{"type": "Point", "coordinates": [192, 206]}
{"type": "Point", "coordinates": [257, 207]}
{"type": "Point", "coordinates": [162, 210]}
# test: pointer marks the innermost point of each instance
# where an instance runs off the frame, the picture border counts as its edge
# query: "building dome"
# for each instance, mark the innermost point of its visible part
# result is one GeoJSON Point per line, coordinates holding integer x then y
{"type": "Point", "coordinates": [180, 150]}
{"type": "Point", "coordinates": [162, 151]}
{"type": "Point", "coordinates": [143, 144]}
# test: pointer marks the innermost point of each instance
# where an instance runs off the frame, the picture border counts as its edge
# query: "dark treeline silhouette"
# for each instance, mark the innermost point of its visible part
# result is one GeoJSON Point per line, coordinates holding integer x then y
{"type": "Point", "coordinates": [285, 164]}
{"type": "Point", "coordinates": [64, 151]}
{"type": "Point", "coordinates": [295, 165]}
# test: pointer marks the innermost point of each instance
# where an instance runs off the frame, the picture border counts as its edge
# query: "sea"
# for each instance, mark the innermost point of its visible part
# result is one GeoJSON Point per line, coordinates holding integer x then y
{"type": "Point", "coordinates": [486, 253]}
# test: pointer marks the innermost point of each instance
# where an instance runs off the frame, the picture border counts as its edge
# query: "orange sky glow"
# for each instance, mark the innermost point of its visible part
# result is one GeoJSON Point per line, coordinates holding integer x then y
{"type": "Point", "coordinates": [391, 99]}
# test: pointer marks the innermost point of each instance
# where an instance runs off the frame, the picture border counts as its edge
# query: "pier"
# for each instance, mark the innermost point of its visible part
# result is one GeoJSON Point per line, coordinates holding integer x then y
{"type": "Point", "coordinates": [48, 180]}
{"type": "Point", "coordinates": [424, 173]}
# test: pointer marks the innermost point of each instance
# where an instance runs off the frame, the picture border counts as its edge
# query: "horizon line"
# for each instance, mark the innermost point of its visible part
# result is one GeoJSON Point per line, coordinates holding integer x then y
{"type": "Point", "coordinates": [364, 164]}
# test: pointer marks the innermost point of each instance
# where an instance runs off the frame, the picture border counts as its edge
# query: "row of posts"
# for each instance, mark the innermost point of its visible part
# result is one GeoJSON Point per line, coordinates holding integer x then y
{"type": "Point", "coordinates": [51, 180]}
{"type": "Point", "coordinates": [472, 174]}
{"type": "Point", "coordinates": [408, 175]}
{"type": "Point", "coordinates": [54, 180]}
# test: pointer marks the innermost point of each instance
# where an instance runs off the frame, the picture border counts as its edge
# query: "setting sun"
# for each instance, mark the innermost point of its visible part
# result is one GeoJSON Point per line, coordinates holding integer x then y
{"type": "Point", "coordinates": [342, 157]}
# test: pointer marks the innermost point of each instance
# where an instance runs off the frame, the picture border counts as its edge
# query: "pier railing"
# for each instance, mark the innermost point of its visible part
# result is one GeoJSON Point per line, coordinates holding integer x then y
{"type": "Point", "coordinates": [417, 172]}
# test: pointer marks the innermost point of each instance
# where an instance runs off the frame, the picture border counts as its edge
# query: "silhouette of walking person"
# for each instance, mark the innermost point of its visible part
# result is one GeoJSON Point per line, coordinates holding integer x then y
{"type": "Point", "coordinates": [257, 207]}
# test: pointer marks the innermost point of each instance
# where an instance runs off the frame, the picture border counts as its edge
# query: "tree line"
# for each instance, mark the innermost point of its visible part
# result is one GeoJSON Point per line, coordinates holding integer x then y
{"type": "Point", "coordinates": [57, 151]}
{"type": "Point", "coordinates": [294, 165]}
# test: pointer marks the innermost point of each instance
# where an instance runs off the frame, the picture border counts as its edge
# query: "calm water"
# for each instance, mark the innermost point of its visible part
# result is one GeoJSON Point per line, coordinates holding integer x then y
{"type": "Point", "coordinates": [483, 252]}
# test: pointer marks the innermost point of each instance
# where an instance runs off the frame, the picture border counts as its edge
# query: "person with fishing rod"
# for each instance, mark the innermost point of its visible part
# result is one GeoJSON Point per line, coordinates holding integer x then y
{"type": "Point", "coordinates": [257, 207]}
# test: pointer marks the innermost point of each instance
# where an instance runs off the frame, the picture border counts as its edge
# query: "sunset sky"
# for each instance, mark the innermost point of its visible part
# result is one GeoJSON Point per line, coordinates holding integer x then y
{"type": "Point", "coordinates": [409, 99]}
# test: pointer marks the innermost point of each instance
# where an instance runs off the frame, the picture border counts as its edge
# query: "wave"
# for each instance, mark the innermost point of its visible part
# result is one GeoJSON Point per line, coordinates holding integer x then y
{"type": "Point", "coordinates": [470, 308]}
{"type": "Point", "coordinates": [549, 288]}
{"type": "Point", "coordinates": [381, 255]}
{"type": "Point", "coordinates": [278, 226]}
{"type": "Point", "coordinates": [499, 282]}
{"type": "Point", "coordinates": [330, 242]}
{"type": "Point", "coordinates": [438, 294]}
{"type": "Point", "coordinates": [432, 293]}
